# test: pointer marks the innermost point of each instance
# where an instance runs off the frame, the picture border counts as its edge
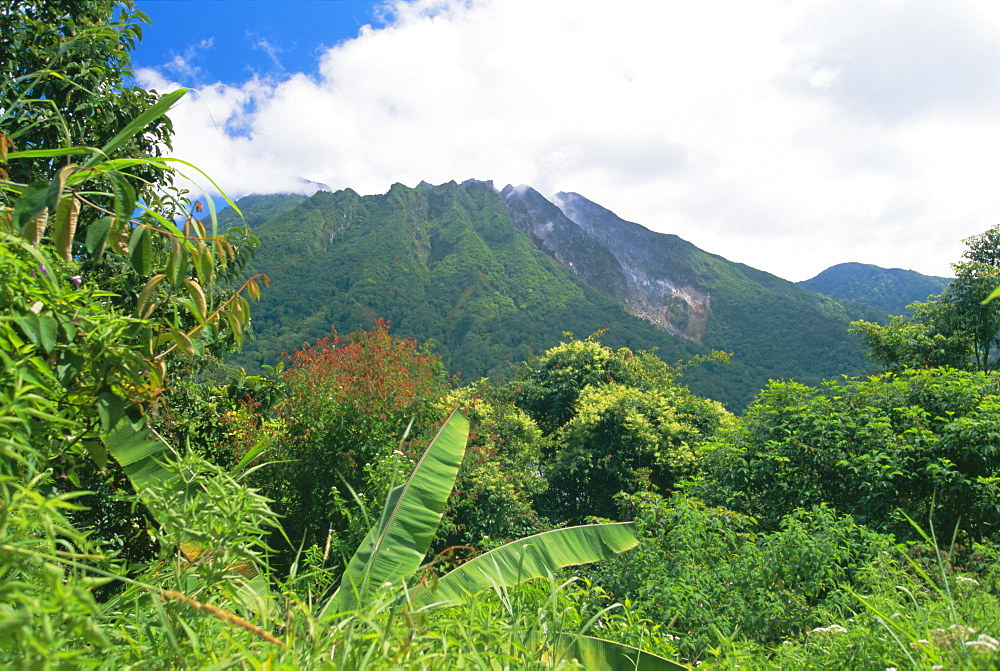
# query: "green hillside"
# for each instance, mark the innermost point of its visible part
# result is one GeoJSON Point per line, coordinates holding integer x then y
{"type": "Point", "coordinates": [444, 265]}
{"type": "Point", "coordinates": [258, 209]}
{"type": "Point", "coordinates": [774, 329]}
{"type": "Point", "coordinates": [887, 289]}
{"type": "Point", "coordinates": [447, 266]}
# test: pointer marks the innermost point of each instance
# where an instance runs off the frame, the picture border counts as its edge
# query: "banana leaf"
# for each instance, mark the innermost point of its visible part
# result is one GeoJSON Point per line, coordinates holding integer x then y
{"type": "Point", "coordinates": [141, 453]}
{"type": "Point", "coordinates": [532, 557]}
{"type": "Point", "coordinates": [394, 548]}
{"type": "Point", "coordinates": [599, 653]}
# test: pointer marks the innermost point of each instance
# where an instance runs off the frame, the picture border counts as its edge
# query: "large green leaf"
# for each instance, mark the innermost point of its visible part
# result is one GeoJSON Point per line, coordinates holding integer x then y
{"type": "Point", "coordinates": [148, 116]}
{"type": "Point", "coordinates": [141, 453]}
{"type": "Point", "coordinates": [532, 557]}
{"type": "Point", "coordinates": [598, 653]}
{"type": "Point", "coordinates": [395, 546]}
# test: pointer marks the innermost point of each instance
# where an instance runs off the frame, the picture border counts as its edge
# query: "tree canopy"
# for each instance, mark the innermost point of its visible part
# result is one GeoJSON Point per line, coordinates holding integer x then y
{"type": "Point", "coordinates": [65, 65]}
{"type": "Point", "coordinates": [959, 328]}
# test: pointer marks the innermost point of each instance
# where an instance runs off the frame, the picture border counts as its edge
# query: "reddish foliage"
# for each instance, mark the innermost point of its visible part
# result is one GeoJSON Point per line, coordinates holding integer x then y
{"type": "Point", "coordinates": [374, 372]}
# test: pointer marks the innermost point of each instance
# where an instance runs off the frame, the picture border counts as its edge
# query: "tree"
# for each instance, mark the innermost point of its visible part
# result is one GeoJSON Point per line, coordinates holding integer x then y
{"type": "Point", "coordinates": [548, 386]}
{"type": "Point", "coordinates": [500, 478]}
{"type": "Point", "coordinates": [65, 64]}
{"type": "Point", "coordinates": [625, 439]}
{"type": "Point", "coordinates": [933, 337]}
{"type": "Point", "coordinates": [347, 408]}
{"type": "Point", "coordinates": [618, 421]}
{"type": "Point", "coordinates": [959, 328]}
{"type": "Point", "coordinates": [925, 442]}
{"type": "Point", "coordinates": [975, 280]}
{"type": "Point", "coordinates": [99, 306]}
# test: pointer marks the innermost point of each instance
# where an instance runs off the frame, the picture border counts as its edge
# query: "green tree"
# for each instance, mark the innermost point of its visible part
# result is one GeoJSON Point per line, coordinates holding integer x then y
{"type": "Point", "coordinates": [958, 328]}
{"type": "Point", "coordinates": [933, 337]}
{"type": "Point", "coordinates": [99, 308]}
{"type": "Point", "coordinates": [348, 406]}
{"type": "Point", "coordinates": [618, 421]}
{"type": "Point", "coordinates": [975, 279]}
{"type": "Point", "coordinates": [500, 477]}
{"type": "Point", "coordinates": [65, 67]}
{"type": "Point", "coordinates": [548, 386]}
{"type": "Point", "coordinates": [924, 442]}
{"type": "Point", "coordinates": [625, 439]}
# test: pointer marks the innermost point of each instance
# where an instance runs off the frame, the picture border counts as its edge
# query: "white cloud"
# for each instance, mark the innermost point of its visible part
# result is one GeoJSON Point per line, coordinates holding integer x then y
{"type": "Point", "coordinates": [272, 50]}
{"type": "Point", "coordinates": [788, 136]}
{"type": "Point", "coordinates": [182, 65]}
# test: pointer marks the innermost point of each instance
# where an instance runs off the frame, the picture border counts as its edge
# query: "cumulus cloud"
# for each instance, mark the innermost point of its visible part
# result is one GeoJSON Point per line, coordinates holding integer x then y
{"type": "Point", "coordinates": [788, 136]}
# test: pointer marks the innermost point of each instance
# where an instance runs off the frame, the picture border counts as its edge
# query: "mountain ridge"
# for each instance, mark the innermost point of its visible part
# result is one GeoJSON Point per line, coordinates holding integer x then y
{"type": "Point", "coordinates": [490, 278]}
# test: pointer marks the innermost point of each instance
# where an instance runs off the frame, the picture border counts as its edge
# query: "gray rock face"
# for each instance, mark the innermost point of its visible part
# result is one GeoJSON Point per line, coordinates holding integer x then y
{"type": "Point", "coordinates": [629, 264]}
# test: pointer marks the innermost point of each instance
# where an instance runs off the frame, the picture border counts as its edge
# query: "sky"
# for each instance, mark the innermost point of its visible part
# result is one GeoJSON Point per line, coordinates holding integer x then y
{"type": "Point", "coordinates": [789, 135]}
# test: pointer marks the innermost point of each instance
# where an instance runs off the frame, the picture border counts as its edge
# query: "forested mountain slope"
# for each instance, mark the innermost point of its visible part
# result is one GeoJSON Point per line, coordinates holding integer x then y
{"type": "Point", "coordinates": [886, 289]}
{"type": "Point", "coordinates": [770, 325]}
{"type": "Point", "coordinates": [463, 268]}
{"type": "Point", "coordinates": [445, 265]}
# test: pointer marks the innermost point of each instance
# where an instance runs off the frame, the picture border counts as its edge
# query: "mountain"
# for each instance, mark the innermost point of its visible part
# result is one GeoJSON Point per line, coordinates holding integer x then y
{"type": "Point", "coordinates": [770, 325]}
{"type": "Point", "coordinates": [258, 209]}
{"type": "Point", "coordinates": [490, 278]}
{"type": "Point", "coordinates": [445, 264]}
{"type": "Point", "coordinates": [886, 289]}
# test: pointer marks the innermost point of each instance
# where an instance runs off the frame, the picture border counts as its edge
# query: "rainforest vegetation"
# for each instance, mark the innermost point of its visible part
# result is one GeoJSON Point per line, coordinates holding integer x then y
{"type": "Point", "coordinates": [353, 505]}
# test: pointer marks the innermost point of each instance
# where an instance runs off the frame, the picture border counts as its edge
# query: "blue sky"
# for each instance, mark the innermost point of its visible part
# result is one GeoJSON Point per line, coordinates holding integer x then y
{"type": "Point", "coordinates": [789, 136]}
{"type": "Point", "coordinates": [206, 41]}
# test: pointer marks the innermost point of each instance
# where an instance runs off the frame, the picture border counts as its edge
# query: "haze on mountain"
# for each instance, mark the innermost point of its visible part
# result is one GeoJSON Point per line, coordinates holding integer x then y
{"type": "Point", "coordinates": [490, 278]}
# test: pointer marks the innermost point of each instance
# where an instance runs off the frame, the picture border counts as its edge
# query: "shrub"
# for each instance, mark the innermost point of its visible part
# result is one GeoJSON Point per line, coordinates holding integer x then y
{"type": "Point", "coordinates": [710, 573]}
{"type": "Point", "coordinates": [869, 448]}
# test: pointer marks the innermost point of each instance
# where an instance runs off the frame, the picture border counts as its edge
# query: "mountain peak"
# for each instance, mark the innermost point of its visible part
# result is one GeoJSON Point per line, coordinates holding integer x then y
{"type": "Point", "coordinates": [490, 278]}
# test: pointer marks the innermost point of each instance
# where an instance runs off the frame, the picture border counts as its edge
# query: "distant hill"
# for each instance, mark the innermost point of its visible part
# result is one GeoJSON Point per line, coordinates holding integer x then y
{"type": "Point", "coordinates": [886, 289]}
{"type": "Point", "coordinates": [491, 278]}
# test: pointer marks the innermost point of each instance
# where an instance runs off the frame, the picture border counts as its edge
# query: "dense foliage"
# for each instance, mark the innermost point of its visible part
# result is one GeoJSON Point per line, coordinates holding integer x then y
{"type": "Point", "coordinates": [874, 448]}
{"type": "Point", "coordinates": [345, 409]}
{"type": "Point", "coordinates": [65, 66]}
{"type": "Point", "coordinates": [617, 422]}
{"type": "Point", "coordinates": [851, 524]}
{"type": "Point", "coordinates": [712, 570]}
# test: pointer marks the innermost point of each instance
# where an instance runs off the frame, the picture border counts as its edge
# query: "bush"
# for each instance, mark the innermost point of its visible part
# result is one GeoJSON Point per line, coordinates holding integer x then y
{"type": "Point", "coordinates": [869, 448]}
{"type": "Point", "coordinates": [709, 573]}
{"type": "Point", "coordinates": [348, 406]}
